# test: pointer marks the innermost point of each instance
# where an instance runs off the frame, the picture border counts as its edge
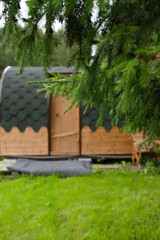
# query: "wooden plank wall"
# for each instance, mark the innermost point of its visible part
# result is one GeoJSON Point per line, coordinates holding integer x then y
{"type": "Point", "coordinates": [64, 128]}
{"type": "Point", "coordinates": [16, 143]}
{"type": "Point", "coordinates": [105, 143]}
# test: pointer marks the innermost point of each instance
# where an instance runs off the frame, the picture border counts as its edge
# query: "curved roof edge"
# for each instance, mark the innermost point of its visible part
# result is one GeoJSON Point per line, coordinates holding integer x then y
{"type": "Point", "coordinates": [2, 80]}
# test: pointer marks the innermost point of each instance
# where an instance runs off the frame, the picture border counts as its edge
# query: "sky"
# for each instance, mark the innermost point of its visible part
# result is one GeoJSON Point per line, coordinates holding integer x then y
{"type": "Point", "coordinates": [24, 11]}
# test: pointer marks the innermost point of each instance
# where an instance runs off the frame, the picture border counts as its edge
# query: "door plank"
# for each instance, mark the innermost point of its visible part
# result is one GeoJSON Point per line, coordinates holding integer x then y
{"type": "Point", "coordinates": [64, 128]}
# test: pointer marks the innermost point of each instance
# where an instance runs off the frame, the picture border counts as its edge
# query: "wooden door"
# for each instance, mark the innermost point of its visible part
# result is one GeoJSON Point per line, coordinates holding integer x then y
{"type": "Point", "coordinates": [64, 128]}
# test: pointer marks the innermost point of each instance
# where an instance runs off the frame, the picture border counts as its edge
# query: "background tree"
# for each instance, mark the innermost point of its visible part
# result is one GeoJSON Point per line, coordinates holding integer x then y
{"type": "Point", "coordinates": [61, 54]}
{"type": "Point", "coordinates": [59, 57]}
{"type": "Point", "coordinates": [122, 77]}
{"type": "Point", "coordinates": [7, 57]}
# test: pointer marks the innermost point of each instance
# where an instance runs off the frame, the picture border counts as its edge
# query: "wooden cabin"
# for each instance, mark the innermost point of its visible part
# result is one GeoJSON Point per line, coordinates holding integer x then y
{"type": "Point", "coordinates": [32, 125]}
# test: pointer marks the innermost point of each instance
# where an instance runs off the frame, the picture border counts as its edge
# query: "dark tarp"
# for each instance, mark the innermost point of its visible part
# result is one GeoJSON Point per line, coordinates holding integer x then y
{"type": "Point", "coordinates": [61, 167]}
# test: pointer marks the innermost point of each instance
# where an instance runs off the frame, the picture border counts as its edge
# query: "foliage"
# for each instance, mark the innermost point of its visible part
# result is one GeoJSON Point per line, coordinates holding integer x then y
{"type": "Point", "coordinates": [109, 205]}
{"type": "Point", "coordinates": [122, 77]}
{"type": "Point", "coordinates": [59, 57]}
{"type": "Point", "coordinates": [6, 55]}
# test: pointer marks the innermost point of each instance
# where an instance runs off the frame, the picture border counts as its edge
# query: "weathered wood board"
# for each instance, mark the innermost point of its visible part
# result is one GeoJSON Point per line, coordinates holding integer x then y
{"type": "Point", "coordinates": [64, 128]}
{"type": "Point", "coordinates": [16, 143]}
{"type": "Point", "coordinates": [106, 143]}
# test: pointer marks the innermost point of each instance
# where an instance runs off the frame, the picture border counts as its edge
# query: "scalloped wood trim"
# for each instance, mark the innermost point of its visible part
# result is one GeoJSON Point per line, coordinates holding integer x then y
{"type": "Point", "coordinates": [103, 142]}
{"type": "Point", "coordinates": [23, 143]}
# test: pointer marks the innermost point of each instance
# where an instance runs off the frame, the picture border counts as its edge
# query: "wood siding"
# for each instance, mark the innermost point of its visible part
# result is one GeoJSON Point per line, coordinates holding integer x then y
{"type": "Point", "coordinates": [64, 128]}
{"type": "Point", "coordinates": [105, 143]}
{"type": "Point", "coordinates": [16, 143]}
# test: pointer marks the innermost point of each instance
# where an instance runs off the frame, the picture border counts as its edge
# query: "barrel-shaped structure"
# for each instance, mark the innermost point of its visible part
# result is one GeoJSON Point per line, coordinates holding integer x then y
{"type": "Point", "coordinates": [32, 124]}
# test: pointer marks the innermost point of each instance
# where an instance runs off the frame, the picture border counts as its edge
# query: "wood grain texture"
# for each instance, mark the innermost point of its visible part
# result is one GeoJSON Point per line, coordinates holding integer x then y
{"type": "Point", "coordinates": [16, 143]}
{"type": "Point", "coordinates": [64, 128]}
{"type": "Point", "coordinates": [103, 142]}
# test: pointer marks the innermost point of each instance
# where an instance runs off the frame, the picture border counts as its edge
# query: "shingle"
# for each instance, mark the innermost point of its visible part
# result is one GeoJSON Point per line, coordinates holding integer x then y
{"type": "Point", "coordinates": [93, 125]}
{"type": "Point", "coordinates": [121, 122]}
{"type": "Point", "coordinates": [27, 109]}
{"type": "Point", "coordinates": [35, 126]}
{"type": "Point", "coordinates": [36, 103]}
{"type": "Point", "coordinates": [21, 91]}
{"type": "Point", "coordinates": [15, 87]}
{"type": "Point", "coordinates": [107, 125]}
{"type": "Point", "coordinates": [86, 120]}
{"type": "Point", "coordinates": [28, 121]}
{"type": "Point", "coordinates": [13, 109]}
{"type": "Point", "coordinates": [21, 125]}
{"type": "Point", "coordinates": [8, 116]}
{"type": "Point", "coordinates": [36, 115]}
{"type": "Point", "coordinates": [14, 121]}
{"type": "Point", "coordinates": [29, 98]}
{"type": "Point", "coordinates": [6, 103]}
{"type": "Point", "coordinates": [6, 92]}
{"type": "Point", "coordinates": [43, 120]}
{"type": "Point", "coordinates": [13, 97]}
{"type": "Point", "coordinates": [43, 109]}
{"type": "Point", "coordinates": [7, 126]}
{"type": "Point", "coordinates": [21, 103]}
{"type": "Point", "coordinates": [21, 115]}
{"type": "Point", "coordinates": [94, 113]}
{"type": "Point", "coordinates": [91, 116]}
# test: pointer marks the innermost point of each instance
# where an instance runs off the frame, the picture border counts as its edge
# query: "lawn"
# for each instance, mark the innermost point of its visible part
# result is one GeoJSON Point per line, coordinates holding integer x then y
{"type": "Point", "coordinates": [108, 205]}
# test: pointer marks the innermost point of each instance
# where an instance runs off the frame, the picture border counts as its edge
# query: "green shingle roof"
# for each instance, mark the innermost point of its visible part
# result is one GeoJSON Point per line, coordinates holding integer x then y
{"type": "Point", "coordinates": [20, 102]}
{"type": "Point", "coordinates": [21, 105]}
{"type": "Point", "coordinates": [91, 116]}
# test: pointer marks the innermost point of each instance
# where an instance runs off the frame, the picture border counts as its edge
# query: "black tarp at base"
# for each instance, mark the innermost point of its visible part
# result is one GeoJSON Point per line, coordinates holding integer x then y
{"type": "Point", "coordinates": [60, 167]}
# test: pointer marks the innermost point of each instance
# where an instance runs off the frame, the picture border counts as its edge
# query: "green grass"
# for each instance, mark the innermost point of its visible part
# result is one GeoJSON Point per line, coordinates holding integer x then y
{"type": "Point", "coordinates": [111, 205]}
